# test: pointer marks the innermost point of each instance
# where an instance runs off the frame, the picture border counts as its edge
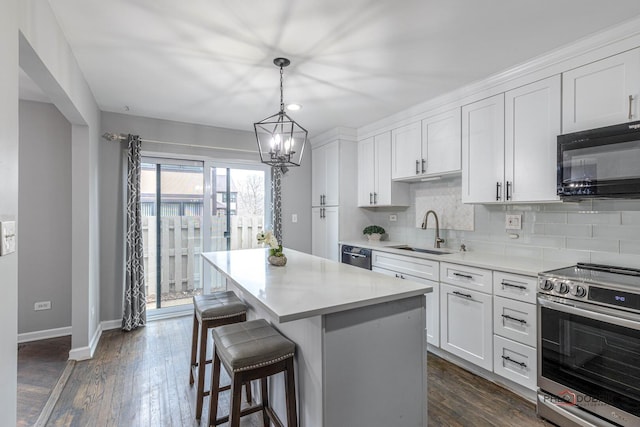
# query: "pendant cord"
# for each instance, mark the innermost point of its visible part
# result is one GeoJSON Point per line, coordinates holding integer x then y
{"type": "Point", "coordinates": [281, 92]}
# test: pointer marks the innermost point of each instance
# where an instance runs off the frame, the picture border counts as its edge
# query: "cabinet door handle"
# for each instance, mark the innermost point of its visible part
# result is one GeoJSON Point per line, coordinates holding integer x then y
{"type": "Point", "coordinates": [507, 358]}
{"type": "Point", "coordinates": [370, 198]}
{"type": "Point", "coordinates": [630, 106]}
{"type": "Point", "coordinates": [509, 185]}
{"type": "Point", "coordinates": [323, 213]}
{"type": "Point", "coordinates": [460, 294]}
{"type": "Point", "coordinates": [424, 165]}
{"type": "Point", "coordinates": [375, 198]}
{"type": "Point", "coordinates": [498, 186]}
{"type": "Point", "coordinates": [466, 276]}
{"type": "Point", "coordinates": [402, 277]}
{"type": "Point", "coordinates": [515, 319]}
{"type": "Point", "coordinates": [397, 276]}
{"type": "Point", "coordinates": [511, 285]}
{"type": "Point", "coordinates": [417, 167]}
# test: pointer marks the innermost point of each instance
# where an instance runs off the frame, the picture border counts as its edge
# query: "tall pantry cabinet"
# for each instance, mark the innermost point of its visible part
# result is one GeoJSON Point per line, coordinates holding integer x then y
{"type": "Point", "coordinates": [334, 191]}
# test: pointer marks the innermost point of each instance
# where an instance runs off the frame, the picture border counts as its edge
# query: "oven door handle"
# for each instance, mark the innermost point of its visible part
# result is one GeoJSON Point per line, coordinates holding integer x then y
{"type": "Point", "coordinates": [591, 311]}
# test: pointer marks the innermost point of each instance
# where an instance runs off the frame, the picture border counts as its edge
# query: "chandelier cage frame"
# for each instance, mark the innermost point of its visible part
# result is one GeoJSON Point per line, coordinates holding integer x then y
{"type": "Point", "coordinates": [281, 140]}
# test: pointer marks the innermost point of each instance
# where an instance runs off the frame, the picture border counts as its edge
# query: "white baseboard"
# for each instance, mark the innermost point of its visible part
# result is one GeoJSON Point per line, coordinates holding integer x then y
{"type": "Point", "coordinates": [108, 325]}
{"type": "Point", "coordinates": [84, 353]}
{"type": "Point", "coordinates": [44, 335]}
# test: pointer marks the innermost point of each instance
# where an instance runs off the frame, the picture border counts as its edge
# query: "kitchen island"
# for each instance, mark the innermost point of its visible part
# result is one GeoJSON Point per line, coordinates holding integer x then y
{"type": "Point", "coordinates": [360, 336]}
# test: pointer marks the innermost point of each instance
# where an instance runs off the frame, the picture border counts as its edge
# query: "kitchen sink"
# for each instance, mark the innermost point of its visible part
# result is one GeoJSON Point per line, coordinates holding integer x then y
{"type": "Point", "coordinates": [424, 251]}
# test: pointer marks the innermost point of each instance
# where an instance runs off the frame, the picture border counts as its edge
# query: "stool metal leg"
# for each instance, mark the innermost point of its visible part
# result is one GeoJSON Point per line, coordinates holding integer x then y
{"type": "Point", "coordinates": [202, 365]}
{"type": "Point", "coordinates": [236, 398]}
{"type": "Point", "coordinates": [194, 347]}
{"type": "Point", "coordinates": [215, 390]}
{"type": "Point", "coordinates": [265, 402]}
{"type": "Point", "coordinates": [290, 390]}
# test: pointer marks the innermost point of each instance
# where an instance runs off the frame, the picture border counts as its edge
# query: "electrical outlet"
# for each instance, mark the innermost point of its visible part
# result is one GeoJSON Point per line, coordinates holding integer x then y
{"type": "Point", "coordinates": [393, 218]}
{"type": "Point", "coordinates": [294, 218]}
{"type": "Point", "coordinates": [42, 305]}
{"type": "Point", "coordinates": [7, 237]}
{"type": "Point", "coordinates": [513, 222]}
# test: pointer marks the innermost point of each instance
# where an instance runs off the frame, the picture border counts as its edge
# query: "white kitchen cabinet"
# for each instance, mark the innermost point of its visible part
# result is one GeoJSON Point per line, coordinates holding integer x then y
{"type": "Point", "coordinates": [509, 145]}
{"type": "Point", "coordinates": [375, 187]}
{"type": "Point", "coordinates": [399, 266]}
{"type": "Point", "coordinates": [325, 167]}
{"type": "Point", "coordinates": [441, 143]}
{"type": "Point", "coordinates": [427, 148]}
{"type": "Point", "coordinates": [483, 150]}
{"type": "Point", "coordinates": [466, 324]}
{"type": "Point", "coordinates": [532, 124]}
{"type": "Point", "coordinates": [476, 279]}
{"type": "Point", "coordinates": [406, 151]}
{"type": "Point", "coordinates": [324, 232]}
{"type": "Point", "coordinates": [515, 361]}
{"type": "Point", "coordinates": [515, 286]}
{"type": "Point", "coordinates": [515, 320]}
{"type": "Point", "coordinates": [602, 93]}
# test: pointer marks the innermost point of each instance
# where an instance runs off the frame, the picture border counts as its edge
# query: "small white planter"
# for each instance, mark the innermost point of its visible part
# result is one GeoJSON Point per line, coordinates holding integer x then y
{"type": "Point", "coordinates": [374, 237]}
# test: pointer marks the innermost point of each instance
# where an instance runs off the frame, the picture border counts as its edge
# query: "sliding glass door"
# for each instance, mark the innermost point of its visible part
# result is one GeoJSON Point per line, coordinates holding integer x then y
{"type": "Point", "coordinates": [190, 207]}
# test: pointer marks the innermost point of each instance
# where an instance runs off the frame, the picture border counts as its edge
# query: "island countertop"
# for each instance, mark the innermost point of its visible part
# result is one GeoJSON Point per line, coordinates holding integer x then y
{"type": "Point", "coordinates": [308, 285]}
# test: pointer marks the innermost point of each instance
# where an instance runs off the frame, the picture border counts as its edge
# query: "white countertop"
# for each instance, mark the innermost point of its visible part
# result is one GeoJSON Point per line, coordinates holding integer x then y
{"type": "Point", "coordinates": [506, 263]}
{"type": "Point", "coordinates": [308, 285]}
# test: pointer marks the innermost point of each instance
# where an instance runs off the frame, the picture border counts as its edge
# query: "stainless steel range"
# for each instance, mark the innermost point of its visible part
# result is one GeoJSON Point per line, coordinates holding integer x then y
{"type": "Point", "coordinates": [589, 346]}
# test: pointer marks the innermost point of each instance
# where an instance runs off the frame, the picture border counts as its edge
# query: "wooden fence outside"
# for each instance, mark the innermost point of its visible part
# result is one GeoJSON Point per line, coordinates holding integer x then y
{"type": "Point", "coordinates": [181, 245]}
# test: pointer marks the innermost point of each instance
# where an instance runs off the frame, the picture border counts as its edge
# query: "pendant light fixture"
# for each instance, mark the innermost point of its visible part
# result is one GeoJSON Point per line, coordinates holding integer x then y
{"type": "Point", "coordinates": [281, 141]}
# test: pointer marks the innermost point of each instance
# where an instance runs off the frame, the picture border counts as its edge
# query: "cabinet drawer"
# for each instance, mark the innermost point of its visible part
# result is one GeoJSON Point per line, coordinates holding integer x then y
{"type": "Point", "coordinates": [515, 286]}
{"type": "Point", "coordinates": [515, 361]}
{"type": "Point", "coordinates": [515, 320]}
{"type": "Point", "coordinates": [423, 268]}
{"type": "Point", "coordinates": [477, 279]}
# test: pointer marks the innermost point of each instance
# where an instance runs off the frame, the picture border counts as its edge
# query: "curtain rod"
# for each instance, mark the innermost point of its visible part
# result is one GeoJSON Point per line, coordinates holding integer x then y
{"type": "Point", "coordinates": [117, 137]}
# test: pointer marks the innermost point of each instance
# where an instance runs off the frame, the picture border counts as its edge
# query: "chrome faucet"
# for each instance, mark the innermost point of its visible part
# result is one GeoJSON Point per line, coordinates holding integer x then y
{"type": "Point", "coordinates": [438, 240]}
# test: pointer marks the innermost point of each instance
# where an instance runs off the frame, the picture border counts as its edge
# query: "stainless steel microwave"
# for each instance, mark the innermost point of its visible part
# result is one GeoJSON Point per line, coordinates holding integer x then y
{"type": "Point", "coordinates": [600, 163]}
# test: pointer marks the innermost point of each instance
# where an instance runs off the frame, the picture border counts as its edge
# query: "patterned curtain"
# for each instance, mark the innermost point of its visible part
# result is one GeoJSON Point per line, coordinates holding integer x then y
{"type": "Point", "coordinates": [134, 293]}
{"type": "Point", "coordinates": [276, 202]}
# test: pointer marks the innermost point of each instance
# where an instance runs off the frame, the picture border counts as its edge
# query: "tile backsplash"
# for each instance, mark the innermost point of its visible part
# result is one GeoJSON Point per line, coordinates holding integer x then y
{"type": "Point", "coordinates": [600, 231]}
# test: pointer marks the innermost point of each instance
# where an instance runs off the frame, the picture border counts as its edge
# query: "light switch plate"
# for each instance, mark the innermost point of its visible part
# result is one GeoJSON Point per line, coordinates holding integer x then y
{"type": "Point", "coordinates": [7, 237]}
{"type": "Point", "coordinates": [513, 222]}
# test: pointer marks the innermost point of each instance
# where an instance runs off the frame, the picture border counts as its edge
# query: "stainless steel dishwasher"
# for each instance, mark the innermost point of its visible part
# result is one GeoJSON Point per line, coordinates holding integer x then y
{"type": "Point", "coordinates": [353, 255]}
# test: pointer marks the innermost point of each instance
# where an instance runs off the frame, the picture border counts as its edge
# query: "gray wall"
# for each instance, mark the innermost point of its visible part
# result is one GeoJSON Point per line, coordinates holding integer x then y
{"type": "Point", "coordinates": [600, 231]}
{"type": "Point", "coordinates": [295, 193]}
{"type": "Point", "coordinates": [8, 206]}
{"type": "Point", "coordinates": [44, 268]}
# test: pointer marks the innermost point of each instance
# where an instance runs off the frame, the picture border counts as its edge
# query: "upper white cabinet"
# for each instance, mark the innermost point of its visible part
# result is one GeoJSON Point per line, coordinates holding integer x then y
{"type": "Point", "coordinates": [483, 150]}
{"type": "Point", "coordinates": [602, 93]}
{"type": "Point", "coordinates": [441, 143]}
{"type": "Point", "coordinates": [425, 148]}
{"type": "Point", "coordinates": [325, 165]}
{"type": "Point", "coordinates": [375, 187]}
{"type": "Point", "coordinates": [532, 124]}
{"type": "Point", "coordinates": [509, 145]}
{"type": "Point", "coordinates": [406, 151]}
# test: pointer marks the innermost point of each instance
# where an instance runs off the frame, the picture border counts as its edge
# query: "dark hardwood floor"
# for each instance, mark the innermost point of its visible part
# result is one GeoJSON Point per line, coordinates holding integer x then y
{"type": "Point", "coordinates": [141, 379]}
{"type": "Point", "coordinates": [40, 364]}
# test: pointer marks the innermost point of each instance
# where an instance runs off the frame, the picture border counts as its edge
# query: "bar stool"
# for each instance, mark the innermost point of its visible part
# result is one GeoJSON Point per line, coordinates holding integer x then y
{"type": "Point", "coordinates": [209, 311]}
{"type": "Point", "coordinates": [249, 351]}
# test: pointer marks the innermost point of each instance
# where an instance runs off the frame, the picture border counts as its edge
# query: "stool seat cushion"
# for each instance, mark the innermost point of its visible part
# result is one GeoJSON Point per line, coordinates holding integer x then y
{"type": "Point", "coordinates": [249, 345]}
{"type": "Point", "coordinates": [218, 305]}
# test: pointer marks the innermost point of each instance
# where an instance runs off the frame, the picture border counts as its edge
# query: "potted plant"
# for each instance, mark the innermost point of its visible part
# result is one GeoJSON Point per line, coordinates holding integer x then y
{"type": "Point", "coordinates": [373, 232]}
{"type": "Point", "coordinates": [276, 256]}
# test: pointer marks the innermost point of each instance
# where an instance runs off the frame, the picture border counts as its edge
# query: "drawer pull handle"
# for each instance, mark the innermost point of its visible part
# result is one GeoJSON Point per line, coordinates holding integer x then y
{"type": "Point", "coordinates": [417, 167]}
{"type": "Point", "coordinates": [507, 358]}
{"type": "Point", "coordinates": [515, 319]}
{"type": "Point", "coordinates": [460, 294]}
{"type": "Point", "coordinates": [511, 285]}
{"type": "Point", "coordinates": [466, 276]}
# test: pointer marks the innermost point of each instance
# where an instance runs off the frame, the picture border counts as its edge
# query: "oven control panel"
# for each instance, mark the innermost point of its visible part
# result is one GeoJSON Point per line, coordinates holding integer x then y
{"type": "Point", "coordinates": [559, 287]}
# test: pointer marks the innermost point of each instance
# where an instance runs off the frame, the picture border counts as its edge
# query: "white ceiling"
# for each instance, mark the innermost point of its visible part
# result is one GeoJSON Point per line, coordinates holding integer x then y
{"type": "Point", "coordinates": [353, 61]}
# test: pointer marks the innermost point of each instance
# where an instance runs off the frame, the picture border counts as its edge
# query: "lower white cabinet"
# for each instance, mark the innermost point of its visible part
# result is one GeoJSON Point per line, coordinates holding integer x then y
{"type": "Point", "coordinates": [466, 329]}
{"type": "Point", "coordinates": [515, 361]}
{"type": "Point", "coordinates": [515, 320]}
{"type": "Point", "coordinates": [419, 270]}
{"type": "Point", "coordinates": [325, 232]}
